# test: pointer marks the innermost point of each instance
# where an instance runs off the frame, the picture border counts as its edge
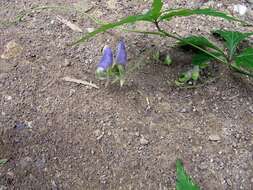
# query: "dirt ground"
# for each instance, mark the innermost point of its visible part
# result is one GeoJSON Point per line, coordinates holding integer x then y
{"type": "Point", "coordinates": [60, 135]}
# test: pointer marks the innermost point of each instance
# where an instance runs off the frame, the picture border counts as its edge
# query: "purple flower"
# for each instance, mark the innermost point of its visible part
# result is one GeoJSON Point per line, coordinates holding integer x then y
{"type": "Point", "coordinates": [106, 60]}
{"type": "Point", "coordinates": [121, 56]}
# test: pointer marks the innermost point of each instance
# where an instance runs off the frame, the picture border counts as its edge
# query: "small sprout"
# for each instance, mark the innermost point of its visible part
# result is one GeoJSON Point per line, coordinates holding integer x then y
{"type": "Point", "coordinates": [186, 76]}
{"type": "Point", "coordinates": [121, 55]}
{"type": "Point", "coordinates": [195, 73]}
{"type": "Point", "coordinates": [189, 77]}
{"type": "Point", "coordinates": [156, 56]}
{"type": "Point", "coordinates": [168, 60]}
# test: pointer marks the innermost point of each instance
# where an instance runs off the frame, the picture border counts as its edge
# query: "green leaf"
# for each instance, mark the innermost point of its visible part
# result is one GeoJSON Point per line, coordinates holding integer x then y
{"type": "Point", "coordinates": [200, 41]}
{"type": "Point", "coordinates": [188, 12]}
{"type": "Point", "coordinates": [105, 27]}
{"type": "Point", "coordinates": [156, 8]}
{"type": "Point", "coordinates": [184, 182]}
{"type": "Point", "coordinates": [245, 59]}
{"type": "Point", "coordinates": [118, 73]}
{"type": "Point", "coordinates": [232, 39]}
{"type": "Point", "coordinates": [201, 59]}
{"type": "Point", "coordinates": [3, 161]}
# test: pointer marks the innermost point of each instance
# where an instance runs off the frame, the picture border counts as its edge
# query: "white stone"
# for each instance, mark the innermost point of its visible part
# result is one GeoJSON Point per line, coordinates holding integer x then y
{"type": "Point", "coordinates": [241, 9]}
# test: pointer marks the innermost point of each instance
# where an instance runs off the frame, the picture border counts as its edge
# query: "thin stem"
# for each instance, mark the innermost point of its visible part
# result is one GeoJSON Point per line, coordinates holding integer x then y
{"type": "Point", "coordinates": [235, 68]}
{"type": "Point", "coordinates": [191, 44]}
{"type": "Point", "coordinates": [142, 32]}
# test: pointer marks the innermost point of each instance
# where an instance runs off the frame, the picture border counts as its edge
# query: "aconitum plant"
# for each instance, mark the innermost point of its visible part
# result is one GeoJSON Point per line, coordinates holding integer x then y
{"type": "Point", "coordinates": [107, 69]}
{"type": "Point", "coordinates": [240, 61]}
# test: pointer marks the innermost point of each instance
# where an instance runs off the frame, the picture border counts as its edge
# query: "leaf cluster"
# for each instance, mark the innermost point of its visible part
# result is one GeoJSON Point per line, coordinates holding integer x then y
{"type": "Point", "coordinates": [239, 60]}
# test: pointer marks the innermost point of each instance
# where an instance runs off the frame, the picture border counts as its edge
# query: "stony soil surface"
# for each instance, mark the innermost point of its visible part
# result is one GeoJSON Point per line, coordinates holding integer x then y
{"type": "Point", "coordinates": [60, 135]}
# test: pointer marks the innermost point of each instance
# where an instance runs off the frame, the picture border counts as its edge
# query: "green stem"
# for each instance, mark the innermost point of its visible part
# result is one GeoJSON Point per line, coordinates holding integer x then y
{"type": "Point", "coordinates": [235, 68]}
{"type": "Point", "coordinates": [191, 44]}
{"type": "Point", "coordinates": [142, 32]}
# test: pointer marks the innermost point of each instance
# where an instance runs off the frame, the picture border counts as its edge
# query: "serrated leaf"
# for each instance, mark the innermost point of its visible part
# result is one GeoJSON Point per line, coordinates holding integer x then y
{"type": "Point", "coordinates": [156, 8]}
{"type": "Point", "coordinates": [184, 182]}
{"type": "Point", "coordinates": [200, 41]}
{"type": "Point", "coordinates": [232, 39]}
{"type": "Point", "coordinates": [245, 59]}
{"type": "Point", "coordinates": [201, 59]}
{"type": "Point", "coordinates": [188, 12]}
{"type": "Point", "coordinates": [105, 27]}
{"type": "Point", "coordinates": [3, 161]}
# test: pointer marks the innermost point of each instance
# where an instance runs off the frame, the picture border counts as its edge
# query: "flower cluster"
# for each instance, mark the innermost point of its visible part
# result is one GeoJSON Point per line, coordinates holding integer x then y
{"type": "Point", "coordinates": [107, 58]}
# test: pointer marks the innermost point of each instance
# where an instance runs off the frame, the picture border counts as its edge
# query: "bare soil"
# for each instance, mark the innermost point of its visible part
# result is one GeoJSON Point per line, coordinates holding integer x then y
{"type": "Point", "coordinates": [60, 135]}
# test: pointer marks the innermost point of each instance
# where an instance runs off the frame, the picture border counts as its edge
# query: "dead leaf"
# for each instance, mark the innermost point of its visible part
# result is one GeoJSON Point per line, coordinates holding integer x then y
{"type": "Point", "coordinates": [72, 26]}
{"type": "Point", "coordinates": [11, 50]}
{"type": "Point", "coordinates": [68, 79]}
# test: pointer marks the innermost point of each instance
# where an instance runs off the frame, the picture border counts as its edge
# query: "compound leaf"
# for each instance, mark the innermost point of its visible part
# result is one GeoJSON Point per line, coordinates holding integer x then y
{"type": "Point", "coordinates": [156, 8]}
{"type": "Point", "coordinates": [184, 182]}
{"type": "Point", "coordinates": [232, 39]}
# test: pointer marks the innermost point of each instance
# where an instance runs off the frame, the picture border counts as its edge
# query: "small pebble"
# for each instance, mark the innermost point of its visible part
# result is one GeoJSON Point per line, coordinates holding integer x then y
{"type": "Point", "coordinates": [183, 110]}
{"type": "Point", "coordinates": [20, 126]}
{"type": "Point", "coordinates": [214, 137]}
{"type": "Point", "coordinates": [66, 63]}
{"type": "Point", "coordinates": [8, 98]}
{"type": "Point", "coordinates": [90, 30]}
{"type": "Point", "coordinates": [144, 141]}
{"type": "Point", "coordinates": [251, 108]}
{"type": "Point", "coordinates": [229, 182]}
{"type": "Point", "coordinates": [241, 9]}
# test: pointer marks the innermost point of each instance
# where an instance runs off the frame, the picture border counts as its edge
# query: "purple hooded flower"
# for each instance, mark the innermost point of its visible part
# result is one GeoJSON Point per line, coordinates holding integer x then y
{"type": "Point", "coordinates": [106, 60]}
{"type": "Point", "coordinates": [121, 56]}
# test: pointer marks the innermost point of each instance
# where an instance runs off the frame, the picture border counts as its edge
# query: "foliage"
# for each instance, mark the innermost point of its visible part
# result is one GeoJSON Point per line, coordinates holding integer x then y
{"type": "Point", "coordinates": [232, 40]}
{"type": "Point", "coordinates": [155, 15]}
{"type": "Point", "coordinates": [206, 51]}
{"type": "Point", "coordinates": [184, 181]}
{"type": "Point", "coordinates": [239, 62]}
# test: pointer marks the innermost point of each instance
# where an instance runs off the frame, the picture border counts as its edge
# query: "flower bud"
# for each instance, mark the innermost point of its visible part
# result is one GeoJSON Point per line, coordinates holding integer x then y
{"type": "Point", "coordinates": [121, 55]}
{"type": "Point", "coordinates": [106, 60]}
